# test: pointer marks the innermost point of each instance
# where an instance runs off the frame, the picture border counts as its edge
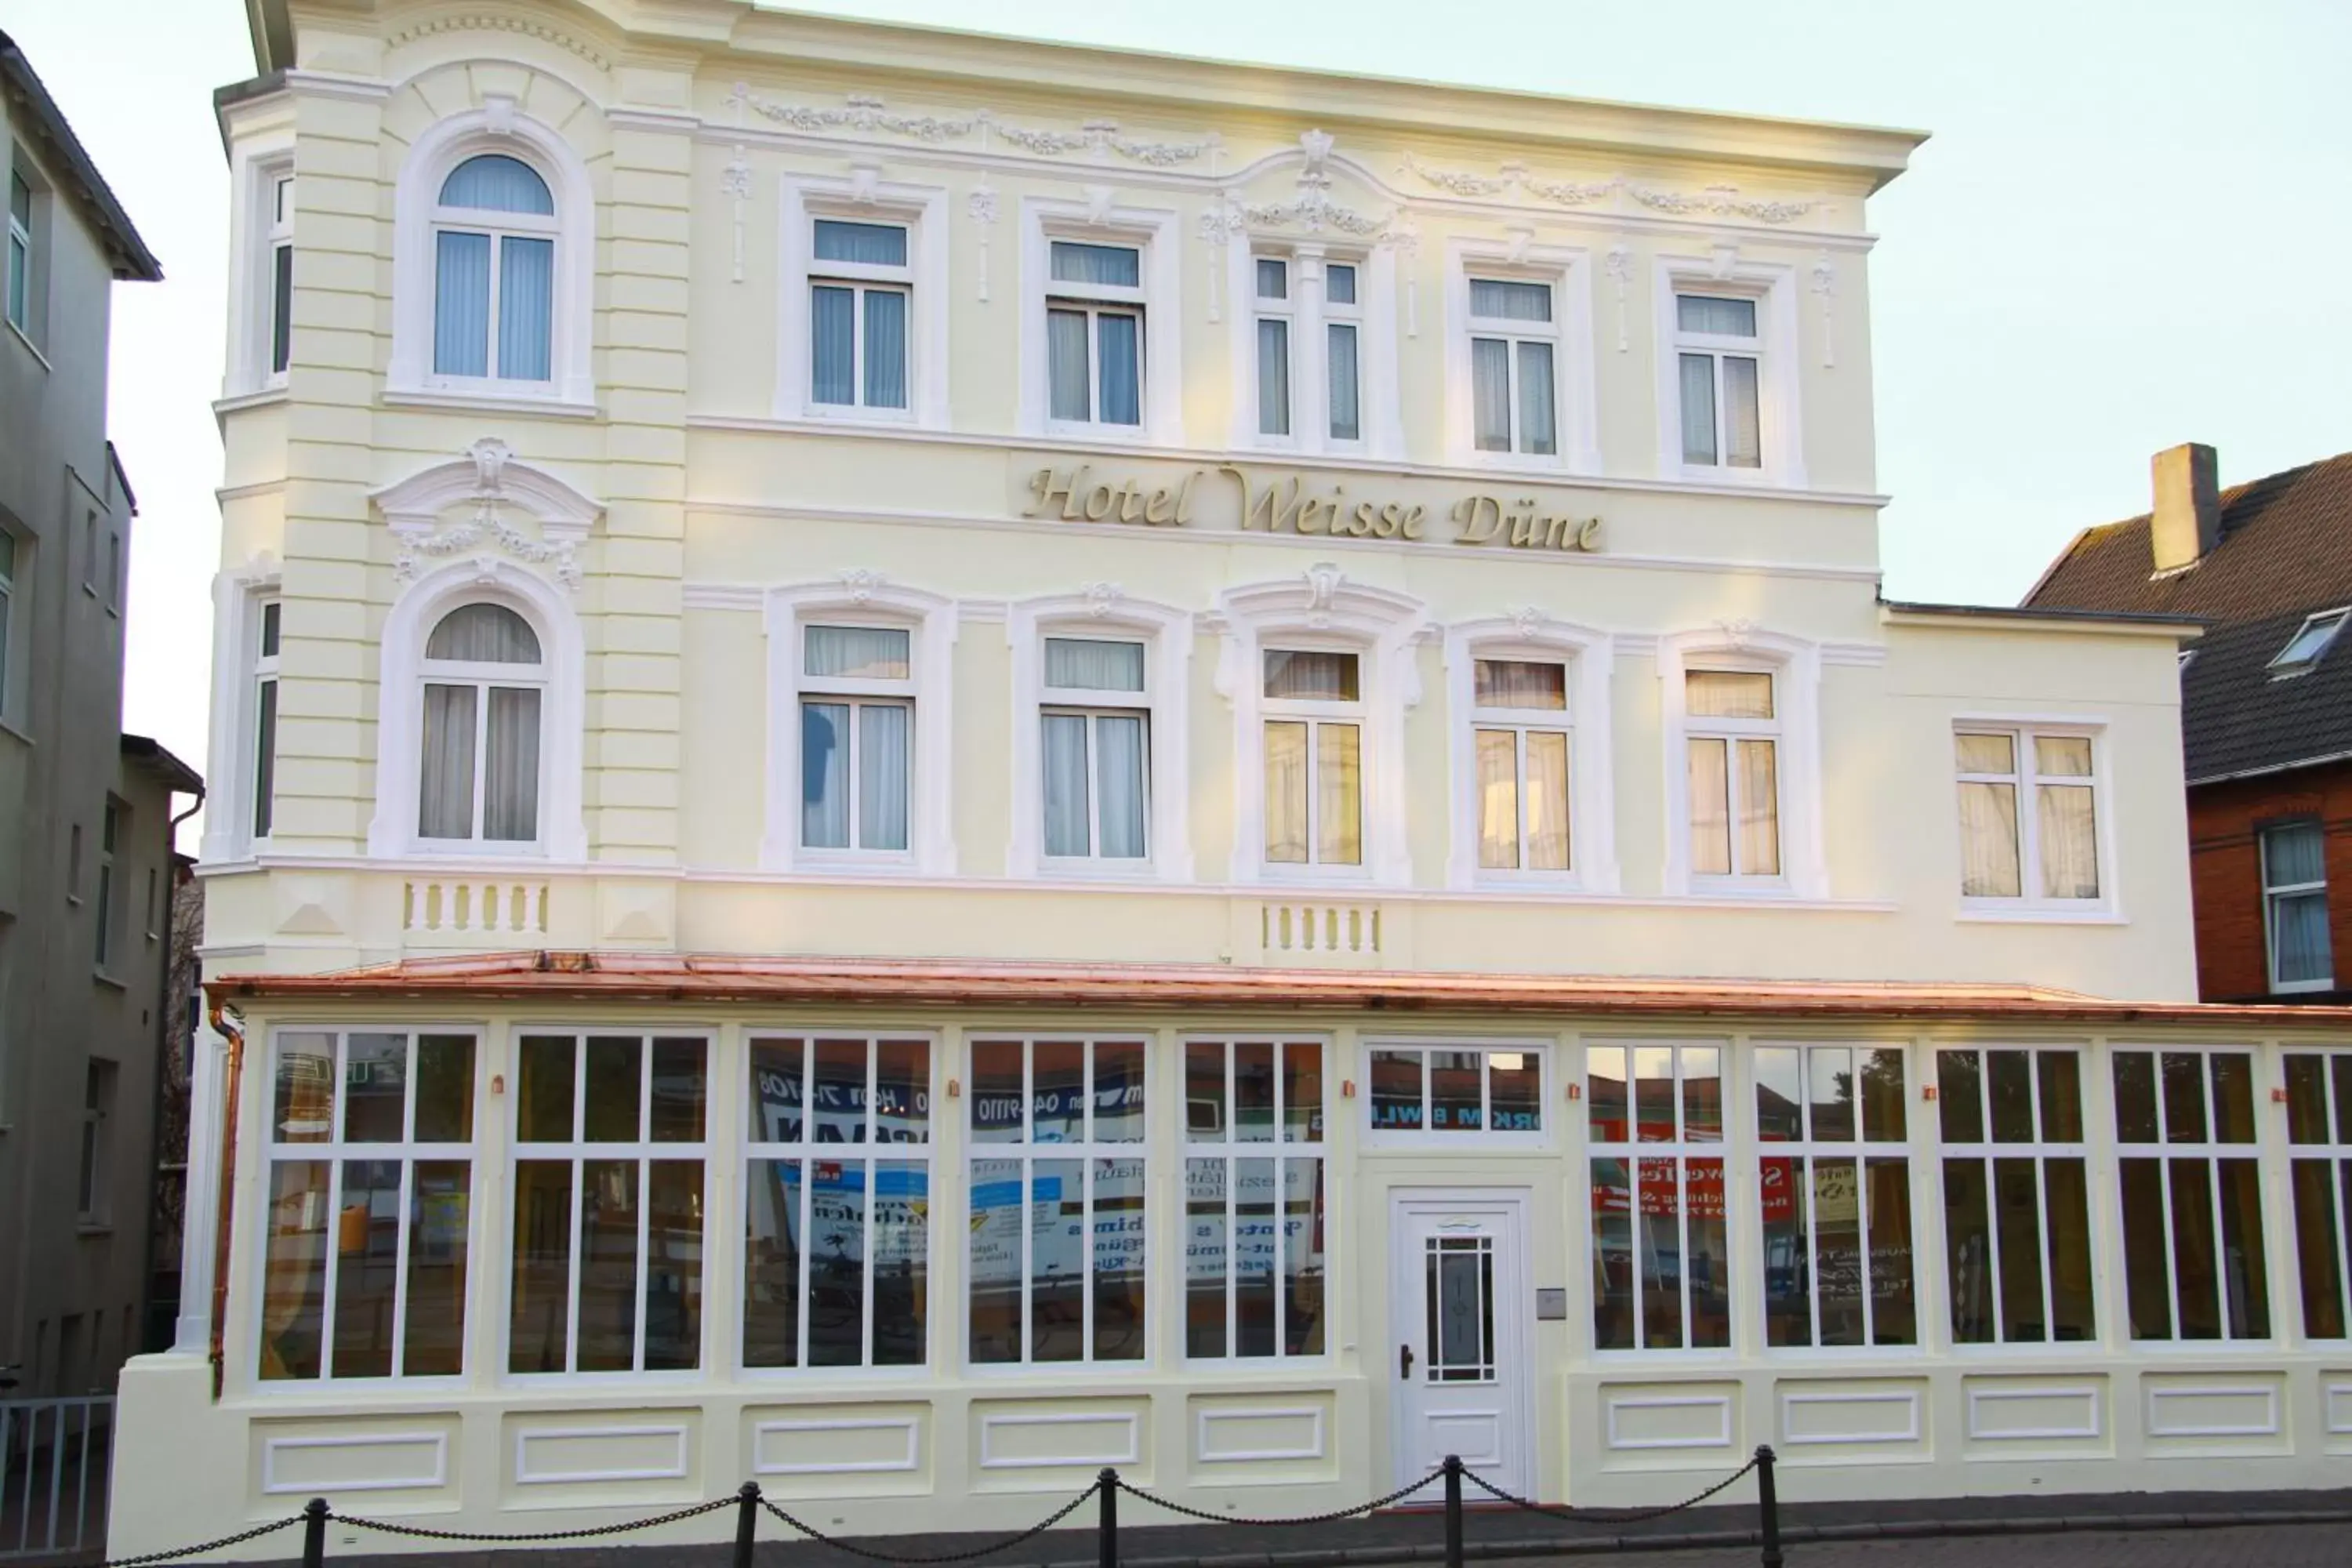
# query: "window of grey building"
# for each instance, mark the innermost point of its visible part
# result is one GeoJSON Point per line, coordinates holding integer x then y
{"type": "Point", "coordinates": [109, 898]}
{"type": "Point", "coordinates": [97, 1115]}
{"type": "Point", "coordinates": [20, 251]}
{"type": "Point", "coordinates": [7, 610]}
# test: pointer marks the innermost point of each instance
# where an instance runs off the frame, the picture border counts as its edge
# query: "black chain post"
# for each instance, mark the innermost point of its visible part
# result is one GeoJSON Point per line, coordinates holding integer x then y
{"type": "Point", "coordinates": [314, 1532]}
{"type": "Point", "coordinates": [1452, 1510]}
{"type": "Point", "coordinates": [1769, 1500]}
{"type": "Point", "coordinates": [1108, 1489]}
{"type": "Point", "coordinates": [747, 1522]}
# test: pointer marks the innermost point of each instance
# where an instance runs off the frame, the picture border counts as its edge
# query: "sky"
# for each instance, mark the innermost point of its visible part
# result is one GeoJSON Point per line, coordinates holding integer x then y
{"type": "Point", "coordinates": [2132, 228]}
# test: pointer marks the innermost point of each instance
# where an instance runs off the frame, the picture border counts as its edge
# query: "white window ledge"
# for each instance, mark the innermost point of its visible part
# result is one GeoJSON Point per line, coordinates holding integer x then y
{"type": "Point", "coordinates": [487, 402]}
{"type": "Point", "coordinates": [2036, 915]}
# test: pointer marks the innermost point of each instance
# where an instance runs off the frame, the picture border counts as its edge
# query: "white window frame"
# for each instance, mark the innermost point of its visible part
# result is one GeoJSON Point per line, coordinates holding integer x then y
{"type": "Point", "coordinates": [2282, 669]}
{"type": "Point", "coordinates": [758, 1149]}
{"type": "Point", "coordinates": [931, 624]}
{"type": "Point", "coordinates": [261, 745]}
{"type": "Point", "coordinates": [1859, 1151]}
{"type": "Point", "coordinates": [1779, 413]}
{"type": "Point", "coordinates": [858, 693]}
{"type": "Point", "coordinates": [333, 1153]}
{"type": "Point", "coordinates": [2041, 1150]}
{"type": "Point", "coordinates": [2030, 905]}
{"type": "Point", "coordinates": [259, 231]}
{"type": "Point", "coordinates": [1156, 234]}
{"type": "Point", "coordinates": [1567, 271]}
{"type": "Point", "coordinates": [1589, 656]}
{"type": "Point", "coordinates": [923, 211]}
{"type": "Point", "coordinates": [1315, 714]}
{"type": "Point", "coordinates": [1282, 1153]}
{"type": "Point", "coordinates": [1731, 732]}
{"type": "Point", "coordinates": [484, 678]}
{"type": "Point", "coordinates": [1795, 666]}
{"type": "Point", "coordinates": [1460, 1142]}
{"type": "Point", "coordinates": [1167, 634]}
{"type": "Point", "coordinates": [94, 1205]}
{"type": "Point", "coordinates": [1315, 268]}
{"type": "Point", "coordinates": [644, 1151]}
{"type": "Point", "coordinates": [1286, 310]}
{"type": "Point", "coordinates": [2273, 891]}
{"type": "Point", "coordinates": [497, 126]}
{"type": "Point", "coordinates": [2212, 1151]}
{"type": "Point", "coordinates": [1321, 609]}
{"type": "Point", "coordinates": [1311, 314]}
{"type": "Point", "coordinates": [1728, 1149]}
{"type": "Point", "coordinates": [1717, 347]}
{"type": "Point", "coordinates": [279, 349]}
{"type": "Point", "coordinates": [22, 270]}
{"type": "Point", "coordinates": [238, 597]}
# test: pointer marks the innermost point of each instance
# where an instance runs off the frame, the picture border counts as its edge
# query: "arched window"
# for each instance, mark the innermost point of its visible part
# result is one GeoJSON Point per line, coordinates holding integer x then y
{"type": "Point", "coordinates": [484, 681]}
{"type": "Point", "coordinates": [494, 234]}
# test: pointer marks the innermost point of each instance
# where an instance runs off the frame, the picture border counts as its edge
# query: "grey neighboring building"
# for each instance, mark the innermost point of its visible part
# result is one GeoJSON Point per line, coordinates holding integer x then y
{"type": "Point", "coordinates": [85, 812]}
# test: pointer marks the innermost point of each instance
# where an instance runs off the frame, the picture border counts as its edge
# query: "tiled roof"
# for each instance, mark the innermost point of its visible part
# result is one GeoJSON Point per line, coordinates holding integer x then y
{"type": "Point", "coordinates": [2285, 551]}
{"type": "Point", "coordinates": [575, 977]}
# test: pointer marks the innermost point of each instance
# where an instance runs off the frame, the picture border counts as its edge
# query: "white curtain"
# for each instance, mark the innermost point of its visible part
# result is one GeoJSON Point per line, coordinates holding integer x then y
{"type": "Point", "coordinates": [461, 304]}
{"type": "Point", "coordinates": [1064, 766]}
{"type": "Point", "coordinates": [444, 792]}
{"type": "Point", "coordinates": [1490, 393]}
{"type": "Point", "coordinates": [871, 653]}
{"type": "Point", "coordinates": [1498, 799]}
{"type": "Point", "coordinates": [1310, 677]}
{"type": "Point", "coordinates": [2296, 856]}
{"type": "Point", "coordinates": [1273, 377]}
{"type": "Point", "coordinates": [1510, 302]}
{"type": "Point", "coordinates": [883, 773]}
{"type": "Point", "coordinates": [483, 634]}
{"type": "Point", "coordinates": [824, 775]}
{"type": "Point", "coordinates": [1066, 365]}
{"type": "Point", "coordinates": [1727, 694]}
{"type": "Point", "coordinates": [1122, 381]}
{"type": "Point", "coordinates": [1092, 663]}
{"type": "Point", "coordinates": [1699, 408]}
{"type": "Point", "coordinates": [1710, 807]}
{"type": "Point", "coordinates": [833, 344]}
{"type": "Point", "coordinates": [1987, 839]}
{"type": "Point", "coordinates": [1272, 279]}
{"type": "Point", "coordinates": [1520, 683]}
{"type": "Point", "coordinates": [1119, 764]}
{"type": "Point", "coordinates": [1547, 800]}
{"type": "Point", "coordinates": [1713, 317]}
{"type": "Point", "coordinates": [1760, 809]}
{"type": "Point", "coordinates": [492, 182]}
{"type": "Point", "coordinates": [1339, 794]}
{"type": "Point", "coordinates": [1743, 437]}
{"type": "Point", "coordinates": [526, 308]}
{"type": "Point", "coordinates": [1114, 265]}
{"type": "Point", "coordinates": [1285, 793]}
{"type": "Point", "coordinates": [2070, 854]}
{"type": "Point", "coordinates": [510, 775]}
{"type": "Point", "coordinates": [1347, 423]}
{"type": "Point", "coordinates": [886, 349]}
{"type": "Point", "coordinates": [1539, 425]}
{"type": "Point", "coordinates": [865, 244]}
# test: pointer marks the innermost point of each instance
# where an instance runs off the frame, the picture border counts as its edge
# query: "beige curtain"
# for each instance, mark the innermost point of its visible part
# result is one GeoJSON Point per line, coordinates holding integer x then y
{"type": "Point", "coordinates": [1285, 793]}
{"type": "Point", "coordinates": [1498, 799]}
{"type": "Point", "coordinates": [1339, 794]}
{"type": "Point", "coordinates": [1710, 807]}
{"type": "Point", "coordinates": [1547, 800]}
{"type": "Point", "coordinates": [1760, 809]}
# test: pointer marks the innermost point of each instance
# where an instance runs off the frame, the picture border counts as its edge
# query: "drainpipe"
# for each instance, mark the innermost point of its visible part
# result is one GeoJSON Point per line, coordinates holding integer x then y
{"type": "Point", "coordinates": [165, 1013]}
{"type": "Point", "coordinates": [234, 1072]}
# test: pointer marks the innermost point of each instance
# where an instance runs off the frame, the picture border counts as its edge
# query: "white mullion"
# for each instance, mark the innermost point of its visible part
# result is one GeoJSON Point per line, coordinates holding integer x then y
{"type": "Point", "coordinates": [2221, 1245]}
{"type": "Point", "coordinates": [1519, 761]}
{"type": "Point", "coordinates": [2028, 837]}
{"type": "Point", "coordinates": [1086, 1203]}
{"type": "Point", "coordinates": [1996, 1260]}
{"type": "Point", "coordinates": [803, 1275]}
{"type": "Point", "coordinates": [1232, 1205]}
{"type": "Point", "coordinates": [1865, 1210]}
{"type": "Point", "coordinates": [2164, 1191]}
{"type": "Point", "coordinates": [1091, 725]}
{"type": "Point", "coordinates": [1315, 833]}
{"type": "Point", "coordinates": [856, 346]}
{"type": "Point", "coordinates": [491, 363]}
{"type": "Point", "coordinates": [1028, 1195]}
{"type": "Point", "coordinates": [481, 758]}
{"type": "Point", "coordinates": [330, 1239]}
{"type": "Point", "coordinates": [873, 1206]}
{"type": "Point", "coordinates": [643, 1154]}
{"type": "Point", "coordinates": [1809, 1195]}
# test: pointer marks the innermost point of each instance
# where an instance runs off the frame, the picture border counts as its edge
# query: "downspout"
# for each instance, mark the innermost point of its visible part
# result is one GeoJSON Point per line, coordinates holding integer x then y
{"type": "Point", "coordinates": [235, 1072]}
{"type": "Point", "coordinates": [165, 1013]}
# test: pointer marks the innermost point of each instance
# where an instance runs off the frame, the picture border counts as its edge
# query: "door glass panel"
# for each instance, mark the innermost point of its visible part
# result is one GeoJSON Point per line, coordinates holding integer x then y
{"type": "Point", "coordinates": [1460, 1275]}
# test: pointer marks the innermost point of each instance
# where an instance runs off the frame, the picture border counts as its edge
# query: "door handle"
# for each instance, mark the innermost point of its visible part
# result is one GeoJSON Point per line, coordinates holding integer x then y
{"type": "Point", "coordinates": [1404, 1361]}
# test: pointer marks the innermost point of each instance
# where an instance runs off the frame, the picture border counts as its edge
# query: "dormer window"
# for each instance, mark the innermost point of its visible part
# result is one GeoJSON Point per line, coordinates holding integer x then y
{"type": "Point", "coordinates": [2309, 643]}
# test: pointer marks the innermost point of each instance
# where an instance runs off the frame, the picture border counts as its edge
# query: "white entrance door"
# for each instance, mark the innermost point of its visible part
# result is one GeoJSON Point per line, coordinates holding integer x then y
{"type": "Point", "coordinates": [1458, 1313]}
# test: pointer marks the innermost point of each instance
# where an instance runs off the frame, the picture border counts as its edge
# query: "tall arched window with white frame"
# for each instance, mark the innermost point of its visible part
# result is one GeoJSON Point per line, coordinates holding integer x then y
{"type": "Point", "coordinates": [494, 237]}
{"type": "Point", "coordinates": [484, 681]}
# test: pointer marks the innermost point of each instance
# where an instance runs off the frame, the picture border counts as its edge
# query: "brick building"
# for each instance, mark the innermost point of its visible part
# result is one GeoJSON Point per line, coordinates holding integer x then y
{"type": "Point", "coordinates": [2266, 705]}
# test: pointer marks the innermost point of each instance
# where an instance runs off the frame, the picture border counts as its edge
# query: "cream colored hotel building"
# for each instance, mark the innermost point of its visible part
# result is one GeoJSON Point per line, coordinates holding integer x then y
{"type": "Point", "coordinates": [940, 761]}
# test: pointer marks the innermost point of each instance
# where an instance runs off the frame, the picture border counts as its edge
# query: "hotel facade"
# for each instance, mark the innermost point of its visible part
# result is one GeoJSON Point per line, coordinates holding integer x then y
{"type": "Point", "coordinates": [939, 761]}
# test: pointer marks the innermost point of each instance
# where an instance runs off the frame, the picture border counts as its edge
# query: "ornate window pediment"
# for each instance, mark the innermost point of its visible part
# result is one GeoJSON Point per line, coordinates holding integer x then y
{"type": "Point", "coordinates": [470, 505]}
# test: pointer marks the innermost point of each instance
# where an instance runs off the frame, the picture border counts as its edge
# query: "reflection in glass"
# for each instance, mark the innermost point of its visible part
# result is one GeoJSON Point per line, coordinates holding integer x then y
{"type": "Point", "coordinates": [999, 1099]}
{"type": "Point", "coordinates": [677, 1100]}
{"type": "Point", "coordinates": [1959, 1094]}
{"type": "Point", "coordinates": [367, 1263]}
{"type": "Point", "coordinates": [2134, 1074]}
{"type": "Point", "coordinates": [1788, 1263]}
{"type": "Point", "coordinates": [375, 1092]}
{"type": "Point", "coordinates": [1779, 1112]}
{"type": "Point", "coordinates": [1613, 1255]}
{"type": "Point", "coordinates": [294, 1287]}
{"type": "Point", "coordinates": [2245, 1279]}
{"type": "Point", "coordinates": [543, 1100]}
{"type": "Point", "coordinates": [538, 1338]}
{"type": "Point", "coordinates": [1456, 1094]}
{"type": "Point", "coordinates": [302, 1111]}
{"type": "Point", "coordinates": [1653, 1093]}
{"type": "Point", "coordinates": [2321, 1264]}
{"type": "Point", "coordinates": [1514, 1091]}
{"type": "Point", "coordinates": [445, 1088]}
{"type": "Point", "coordinates": [1396, 1091]}
{"type": "Point", "coordinates": [1837, 1250]}
{"type": "Point", "coordinates": [1702, 1094]}
{"type": "Point", "coordinates": [1894, 1311]}
{"type": "Point", "coordinates": [2010, 1075]}
{"type": "Point", "coordinates": [772, 1250]}
{"type": "Point", "coordinates": [1604, 1074]}
{"type": "Point", "coordinates": [2017, 1198]}
{"type": "Point", "coordinates": [902, 1252]}
{"type": "Point", "coordinates": [1118, 1092]}
{"type": "Point", "coordinates": [608, 1264]}
{"type": "Point", "coordinates": [1968, 1249]}
{"type": "Point", "coordinates": [838, 1217]}
{"type": "Point", "coordinates": [615, 1083]}
{"type": "Point", "coordinates": [1255, 1249]}
{"type": "Point", "coordinates": [434, 1337]}
{"type": "Point", "coordinates": [1057, 1267]}
{"type": "Point", "coordinates": [2061, 1097]}
{"type": "Point", "coordinates": [1302, 1092]}
{"type": "Point", "coordinates": [1661, 1259]}
{"type": "Point", "coordinates": [1207, 1245]}
{"type": "Point", "coordinates": [672, 1302]}
{"type": "Point", "coordinates": [2148, 1291]}
{"type": "Point", "coordinates": [1118, 1242]}
{"type": "Point", "coordinates": [1881, 1096]}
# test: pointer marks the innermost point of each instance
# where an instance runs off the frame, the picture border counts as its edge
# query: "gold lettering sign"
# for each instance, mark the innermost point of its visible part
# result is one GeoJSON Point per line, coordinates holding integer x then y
{"type": "Point", "coordinates": [1292, 503]}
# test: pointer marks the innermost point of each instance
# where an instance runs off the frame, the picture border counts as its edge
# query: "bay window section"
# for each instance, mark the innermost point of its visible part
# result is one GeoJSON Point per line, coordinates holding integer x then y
{"type": "Point", "coordinates": [608, 1195]}
{"type": "Point", "coordinates": [1514, 380]}
{"type": "Point", "coordinates": [857, 726]}
{"type": "Point", "coordinates": [2017, 1228]}
{"type": "Point", "coordinates": [1093, 334]}
{"type": "Point", "coordinates": [1520, 739]}
{"type": "Point", "coordinates": [2319, 1139]}
{"type": "Point", "coordinates": [837, 1192]}
{"type": "Point", "coordinates": [860, 295]}
{"type": "Point", "coordinates": [1717, 356]}
{"type": "Point", "coordinates": [1659, 1246]}
{"type": "Point", "coordinates": [370, 1165]}
{"type": "Point", "coordinates": [1256, 1280]}
{"type": "Point", "coordinates": [1314, 758]}
{"type": "Point", "coordinates": [2029, 816]}
{"type": "Point", "coordinates": [1835, 1192]}
{"type": "Point", "coordinates": [2194, 1261]}
{"type": "Point", "coordinates": [1732, 736]}
{"type": "Point", "coordinates": [1096, 737]}
{"type": "Point", "coordinates": [1059, 1176]}
{"type": "Point", "coordinates": [2294, 907]}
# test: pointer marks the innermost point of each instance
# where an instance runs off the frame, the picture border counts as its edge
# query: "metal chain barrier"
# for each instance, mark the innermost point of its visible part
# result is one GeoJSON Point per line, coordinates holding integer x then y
{"type": "Point", "coordinates": [1602, 1515]}
{"type": "Point", "coordinates": [177, 1552]}
{"type": "Point", "coordinates": [1333, 1518]}
{"type": "Point", "coordinates": [839, 1545]}
{"type": "Point", "coordinates": [425, 1533]}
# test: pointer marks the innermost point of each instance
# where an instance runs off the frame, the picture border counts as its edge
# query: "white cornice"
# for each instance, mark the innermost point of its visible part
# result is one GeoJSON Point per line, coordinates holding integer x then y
{"type": "Point", "coordinates": [676, 121]}
{"type": "Point", "coordinates": [338, 84]}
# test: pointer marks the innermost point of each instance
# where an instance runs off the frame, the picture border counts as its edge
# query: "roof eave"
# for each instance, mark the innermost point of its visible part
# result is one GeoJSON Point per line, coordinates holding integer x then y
{"type": "Point", "coordinates": [130, 259]}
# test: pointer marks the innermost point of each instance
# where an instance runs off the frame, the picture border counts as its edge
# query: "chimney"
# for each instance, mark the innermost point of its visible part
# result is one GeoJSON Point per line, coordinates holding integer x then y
{"type": "Point", "coordinates": [2187, 521]}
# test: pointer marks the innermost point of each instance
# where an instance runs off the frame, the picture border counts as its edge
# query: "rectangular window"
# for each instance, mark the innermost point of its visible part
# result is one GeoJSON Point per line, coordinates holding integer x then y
{"type": "Point", "coordinates": [2194, 1266]}
{"type": "Point", "coordinates": [1093, 334]}
{"type": "Point", "coordinates": [1514, 382]}
{"type": "Point", "coordinates": [857, 736]}
{"type": "Point", "coordinates": [370, 1138]}
{"type": "Point", "coordinates": [2017, 1228]}
{"type": "Point", "coordinates": [1256, 1281]}
{"type": "Point", "coordinates": [2029, 818]}
{"type": "Point", "coordinates": [608, 1195]}
{"type": "Point", "coordinates": [1096, 749]}
{"type": "Point", "coordinates": [1343, 338]}
{"type": "Point", "coordinates": [1835, 1189]}
{"type": "Point", "coordinates": [1718, 349]}
{"type": "Point", "coordinates": [1660, 1258]}
{"type": "Point", "coordinates": [281, 274]}
{"type": "Point", "coordinates": [7, 608]}
{"type": "Point", "coordinates": [97, 1114]}
{"type": "Point", "coordinates": [114, 572]}
{"type": "Point", "coordinates": [2294, 907]}
{"type": "Point", "coordinates": [837, 1199]}
{"type": "Point", "coordinates": [2319, 1135]}
{"type": "Point", "coordinates": [1732, 729]}
{"type": "Point", "coordinates": [1274, 333]}
{"type": "Point", "coordinates": [265, 717]}
{"type": "Point", "coordinates": [1313, 759]}
{"type": "Point", "coordinates": [861, 290]}
{"type": "Point", "coordinates": [20, 252]}
{"type": "Point", "coordinates": [1520, 741]}
{"type": "Point", "coordinates": [1058, 1178]}
{"type": "Point", "coordinates": [1493, 1094]}
{"type": "Point", "coordinates": [109, 896]}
